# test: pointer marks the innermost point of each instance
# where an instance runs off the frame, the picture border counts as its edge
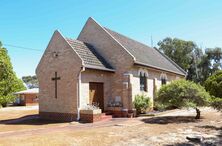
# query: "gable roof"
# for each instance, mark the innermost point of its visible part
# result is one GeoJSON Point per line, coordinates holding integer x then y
{"type": "Point", "coordinates": [89, 55]}
{"type": "Point", "coordinates": [146, 55]}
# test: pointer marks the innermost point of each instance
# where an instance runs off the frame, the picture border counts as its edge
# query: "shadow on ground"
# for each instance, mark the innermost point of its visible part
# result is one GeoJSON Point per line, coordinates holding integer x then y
{"type": "Point", "coordinates": [208, 141]}
{"type": "Point", "coordinates": [219, 136]}
{"type": "Point", "coordinates": [211, 127]}
{"type": "Point", "coordinates": [27, 120]}
{"type": "Point", "coordinates": [181, 144]}
{"type": "Point", "coordinates": [170, 119]}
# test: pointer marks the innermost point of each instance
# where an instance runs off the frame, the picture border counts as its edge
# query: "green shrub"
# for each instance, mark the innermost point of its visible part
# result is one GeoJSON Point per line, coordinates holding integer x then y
{"type": "Point", "coordinates": [217, 103]}
{"type": "Point", "coordinates": [4, 100]}
{"type": "Point", "coordinates": [158, 106]}
{"type": "Point", "coordinates": [141, 103]}
{"type": "Point", "coordinates": [182, 93]}
{"type": "Point", "coordinates": [214, 84]}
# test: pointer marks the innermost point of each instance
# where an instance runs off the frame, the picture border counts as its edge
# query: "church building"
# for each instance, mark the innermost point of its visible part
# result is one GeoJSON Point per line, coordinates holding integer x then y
{"type": "Point", "coordinates": [101, 67]}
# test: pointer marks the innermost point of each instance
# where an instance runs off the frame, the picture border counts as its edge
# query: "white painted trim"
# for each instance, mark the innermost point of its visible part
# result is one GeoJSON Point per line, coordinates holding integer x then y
{"type": "Point", "coordinates": [157, 68]}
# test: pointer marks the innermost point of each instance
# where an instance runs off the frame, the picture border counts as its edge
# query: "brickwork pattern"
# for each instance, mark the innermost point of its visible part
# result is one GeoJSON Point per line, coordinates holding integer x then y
{"type": "Point", "coordinates": [64, 117]}
{"type": "Point", "coordinates": [90, 118]}
{"type": "Point", "coordinates": [105, 45]}
{"type": "Point", "coordinates": [67, 64]}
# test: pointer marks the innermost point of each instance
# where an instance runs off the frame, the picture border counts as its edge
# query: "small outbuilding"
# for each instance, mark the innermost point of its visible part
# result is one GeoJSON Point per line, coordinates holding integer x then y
{"type": "Point", "coordinates": [27, 97]}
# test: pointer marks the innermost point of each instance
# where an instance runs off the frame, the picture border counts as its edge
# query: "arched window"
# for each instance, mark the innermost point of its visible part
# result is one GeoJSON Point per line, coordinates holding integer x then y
{"type": "Point", "coordinates": [163, 78]}
{"type": "Point", "coordinates": [143, 82]}
{"type": "Point", "coordinates": [163, 81]}
{"type": "Point", "coordinates": [143, 74]}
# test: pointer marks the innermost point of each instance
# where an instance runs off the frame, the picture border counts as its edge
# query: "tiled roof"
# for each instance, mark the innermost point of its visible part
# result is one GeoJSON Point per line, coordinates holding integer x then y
{"type": "Point", "coordinates": [146, 55]}
{"type": "Point", "coordinates": [88, 54]}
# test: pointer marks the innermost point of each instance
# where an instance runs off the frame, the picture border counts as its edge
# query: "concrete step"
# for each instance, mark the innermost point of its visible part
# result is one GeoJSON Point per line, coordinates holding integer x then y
{"type": "Point", "coordinates": [103, 114]}
{"type": "Point", "coordinates": [106, 117]}
{"type": "Point", "coordinates": [108, 113]}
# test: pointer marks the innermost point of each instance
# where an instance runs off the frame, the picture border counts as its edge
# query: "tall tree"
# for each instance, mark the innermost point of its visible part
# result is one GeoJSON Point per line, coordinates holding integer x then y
{"type": "Point", "coordinates": [204, 68]}
{"type": "Point", "coordinates": [188, 56]}
{"type": "Point", "coordinates": [185, 53]}
{"type": "Point", "coordinates": [215, 55]}
{"type": "Point", "coordinates": [9, 83]}
{"type": "Point", "coordinates": [210, 63]}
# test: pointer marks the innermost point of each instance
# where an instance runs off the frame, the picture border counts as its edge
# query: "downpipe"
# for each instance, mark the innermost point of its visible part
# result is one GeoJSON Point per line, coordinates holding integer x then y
{"type": "Point", "coordinates": [79, 93]}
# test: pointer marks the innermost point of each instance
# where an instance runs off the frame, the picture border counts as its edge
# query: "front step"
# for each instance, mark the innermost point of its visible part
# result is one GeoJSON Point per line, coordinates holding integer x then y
{"type": "Point", "coordinates": [104, 116]}
{"type": "Point", "coordinates": [108, 113]}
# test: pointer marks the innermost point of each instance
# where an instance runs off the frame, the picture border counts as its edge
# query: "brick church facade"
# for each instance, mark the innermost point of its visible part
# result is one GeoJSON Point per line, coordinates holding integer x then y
{"type": "Point", "coordinates": [99, 66]}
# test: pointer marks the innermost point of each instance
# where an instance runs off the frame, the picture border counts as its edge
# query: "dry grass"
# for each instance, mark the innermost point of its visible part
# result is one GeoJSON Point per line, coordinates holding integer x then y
{"type": "Point", "coordinates": [159, 130]}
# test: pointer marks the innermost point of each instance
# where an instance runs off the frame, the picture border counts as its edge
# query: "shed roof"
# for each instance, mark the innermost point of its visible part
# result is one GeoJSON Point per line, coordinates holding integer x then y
{"type": "Point", "coordinates": [29, 91]}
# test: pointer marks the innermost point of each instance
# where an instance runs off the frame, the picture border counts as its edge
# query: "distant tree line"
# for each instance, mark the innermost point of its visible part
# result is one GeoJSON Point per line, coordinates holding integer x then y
{"type": "Point", "coordinates": [31, 81]}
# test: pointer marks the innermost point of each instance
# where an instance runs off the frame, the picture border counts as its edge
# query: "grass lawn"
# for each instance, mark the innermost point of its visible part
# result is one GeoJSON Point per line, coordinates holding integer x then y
{"type": "Point", "coordinates": [21, 126]}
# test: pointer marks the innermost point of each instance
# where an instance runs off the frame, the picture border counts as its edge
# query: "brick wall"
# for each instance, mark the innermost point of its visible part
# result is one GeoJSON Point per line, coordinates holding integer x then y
{"type": "Point", "coordinates": [90, 118]}
{"type": "Point", "coordinates": [95, 76]}
{"type": "Point", "coordinates": [63, 117]}
{"type": "Point", "coordinates": [31, 99]}
{"type": "Point", "coordinates": [67, 65]}
{"type": "Point", "coordinates": [113, 52]}
{"type": "Point", "coordinates": [152, 79]}
{"type": "Point", "coordinates": [122, 62]}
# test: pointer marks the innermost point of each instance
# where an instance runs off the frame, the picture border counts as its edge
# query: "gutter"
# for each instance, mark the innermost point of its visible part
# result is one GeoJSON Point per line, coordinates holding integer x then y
{"type": "Point", "coordinates": [143, 64]}
{"type": "Point", "coordinates": [79, 92]}
{"type": "Point", "coordinates": [99, 68]}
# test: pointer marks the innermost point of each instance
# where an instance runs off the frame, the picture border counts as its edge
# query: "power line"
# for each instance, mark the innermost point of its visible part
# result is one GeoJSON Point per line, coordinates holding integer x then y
{"type": "Point", "coordinates": [20, 47]}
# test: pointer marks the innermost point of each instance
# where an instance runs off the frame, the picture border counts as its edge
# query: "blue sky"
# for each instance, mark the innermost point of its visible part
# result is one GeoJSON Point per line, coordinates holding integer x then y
{"type": "Point", "coordinates": [31, 23]}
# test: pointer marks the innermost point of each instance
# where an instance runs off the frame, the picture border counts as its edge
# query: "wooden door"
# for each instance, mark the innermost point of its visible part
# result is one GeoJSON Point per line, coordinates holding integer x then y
{"type": "Point", "coordinates": [96, 94]}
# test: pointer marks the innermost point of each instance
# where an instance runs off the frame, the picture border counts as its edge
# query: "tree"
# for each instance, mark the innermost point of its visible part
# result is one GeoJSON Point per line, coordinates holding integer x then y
{"type": "Point", "coordinates": [185, 53]}
{"type": "Point", "coordinates": [213, 84]}
{"type": "Point", "coordinates": [204, 68]}
{"type": "Point", "coordinates": [9, 83]}
{"type": "Point", "coordinates": [215, 57]}
{"type": "Point", "coordinates": [194, 73]}
{"type": "Point", "coordinates": [217, 103]}
{"type": "Point", "coordinates": [182, 93]}
{"type": "Point", "coordinates": [31, 81]}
